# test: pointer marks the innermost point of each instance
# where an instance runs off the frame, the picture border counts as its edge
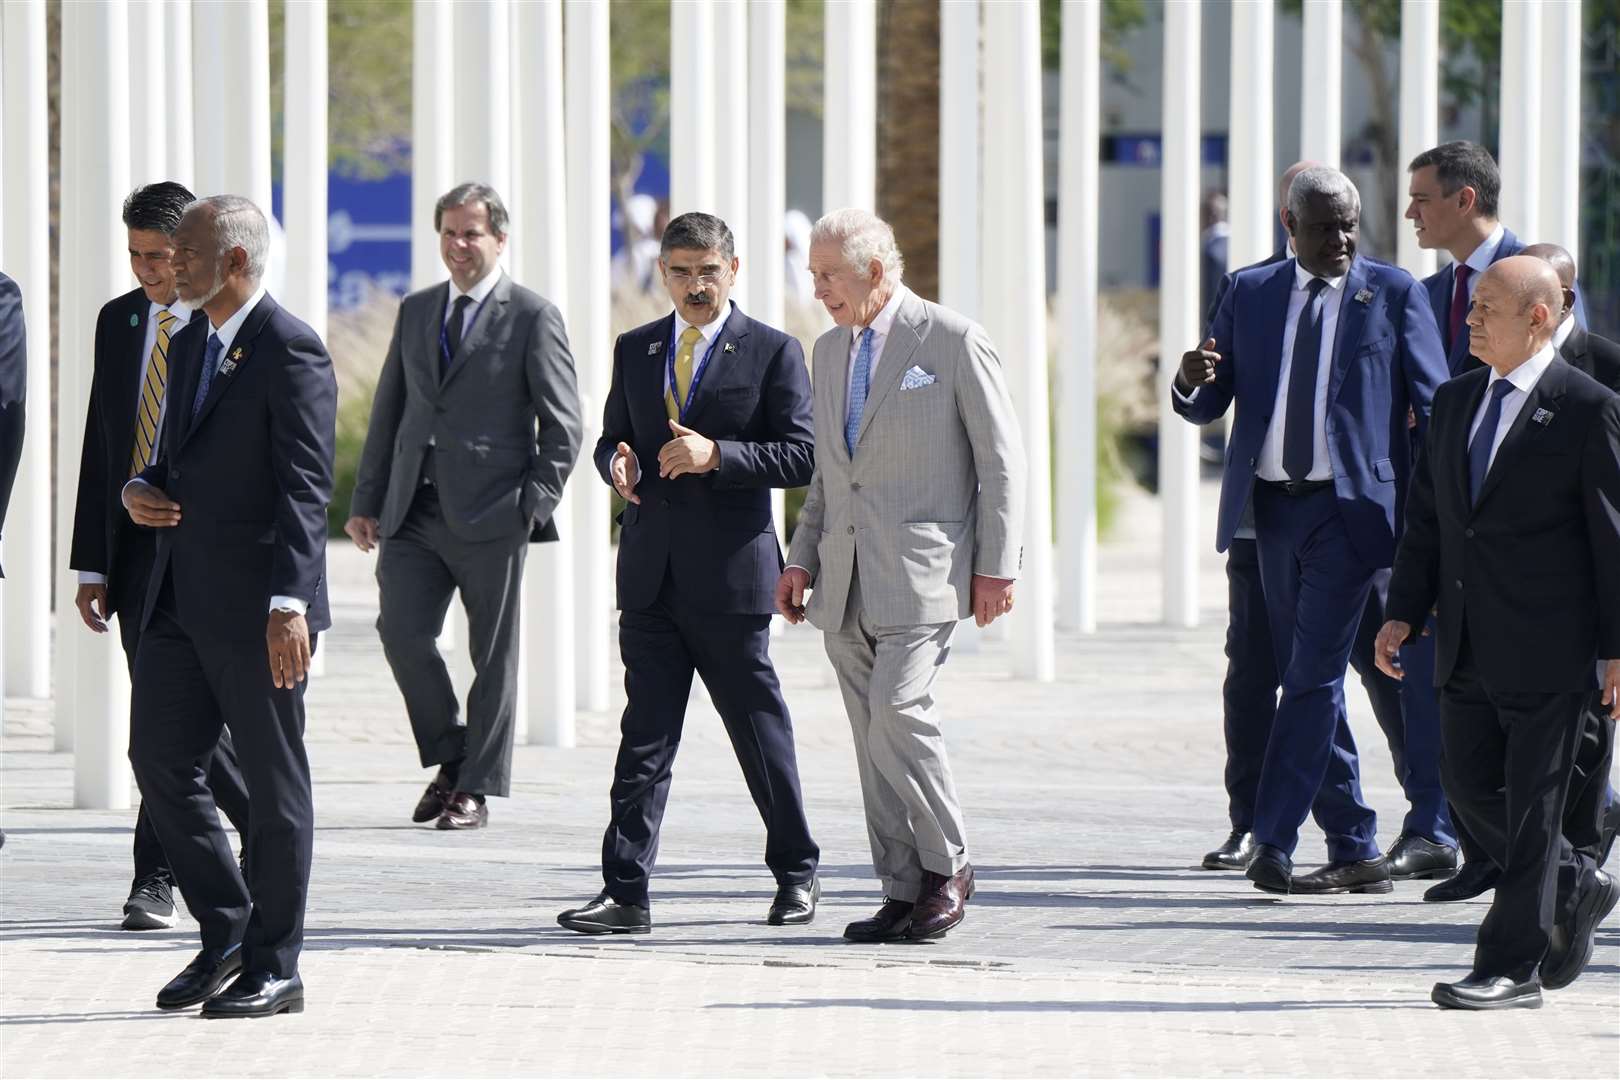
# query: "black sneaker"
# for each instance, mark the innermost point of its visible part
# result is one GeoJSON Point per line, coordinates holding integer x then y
{"type": "Point", "coordinates": [150, 905]}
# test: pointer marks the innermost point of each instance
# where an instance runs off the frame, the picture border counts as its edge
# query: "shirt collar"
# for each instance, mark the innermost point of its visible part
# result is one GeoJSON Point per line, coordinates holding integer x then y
{"type": "Point", "coordinates": [1480, 260]}
{"type": "Point", "coordinates": [179, 309]}
{"type": "Point", "coordinates": [233, 325]}
{"type": "Point", "coordinates": [1526, 375]}
{"type": "Point", "coordinates": [1561, 335]}
{"type": "Point", "coordinates": [480, 291]}
{"type": "Point", "coordinates": [1302, 277]}
{"type": "Point", "coordinates": [883, 321]}
{"type": "Point", "coordinates": [711, 329]}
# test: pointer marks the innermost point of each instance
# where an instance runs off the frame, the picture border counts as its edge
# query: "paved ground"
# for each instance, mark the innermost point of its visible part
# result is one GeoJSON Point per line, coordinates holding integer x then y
{"type": "Point", "coordinates": [1093, 946]}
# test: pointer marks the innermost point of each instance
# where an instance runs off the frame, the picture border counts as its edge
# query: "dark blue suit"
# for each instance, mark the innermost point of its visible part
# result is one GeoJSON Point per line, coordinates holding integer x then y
{"type": "Point", "coordinates": [252, 474]}
{"type": "Point", "coordinates": [697, 572]}
{"type": "Point", "coordinates": [1319, 552]}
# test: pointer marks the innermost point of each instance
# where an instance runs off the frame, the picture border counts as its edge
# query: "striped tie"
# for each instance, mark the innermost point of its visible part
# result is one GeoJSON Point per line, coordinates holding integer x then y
{"type": "Point", "coordinates": [151, 403]}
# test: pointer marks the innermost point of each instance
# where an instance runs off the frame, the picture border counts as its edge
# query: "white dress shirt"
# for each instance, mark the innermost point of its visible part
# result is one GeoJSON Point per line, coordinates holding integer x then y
{"type": "Point", "coordinates": [1480, 261]}
{"type": "Point", "coordinates": [880, 326]}
{"type": "Point", "coordinates": [1561, 335]}
{"type": "Point", "coordinates": [1269, 465]}
{"type": "Point", "coordinates": [710, 331]}
{"type": "Point", "coordinates": [478, 293]}
{"type": "Point", "coordinates": [1524, 379]}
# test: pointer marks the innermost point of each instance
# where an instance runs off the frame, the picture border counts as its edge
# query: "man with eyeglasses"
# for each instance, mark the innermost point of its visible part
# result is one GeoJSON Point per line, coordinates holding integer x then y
{"type": "Point", "coordinates": [708, 411]}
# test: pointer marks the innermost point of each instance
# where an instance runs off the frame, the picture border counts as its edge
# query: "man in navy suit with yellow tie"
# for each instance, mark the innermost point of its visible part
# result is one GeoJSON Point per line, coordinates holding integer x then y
{"type": "Point", "coordinates": [1323, 354]}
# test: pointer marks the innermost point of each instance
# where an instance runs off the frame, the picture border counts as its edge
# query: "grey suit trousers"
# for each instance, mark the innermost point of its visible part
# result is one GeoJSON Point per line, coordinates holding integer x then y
{"type": "Point", "coordinates": [419, 569]}
{"type": "Point", "coordinates": [886, 674]}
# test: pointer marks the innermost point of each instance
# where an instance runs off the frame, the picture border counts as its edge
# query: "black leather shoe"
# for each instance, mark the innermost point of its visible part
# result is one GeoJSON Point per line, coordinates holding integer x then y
{"type": "Point", "coordinates": [256, 993]}
{"type": "Point", "coordinates": [1270, 869]}
{"type": "Point", "coordinates": [1414, 857]}
{"type": "Point", "coordinates": [431, 804]}
{"type": "Point", "coordinates": [1359, 876]}
{"type": "Point", "coordinates": [1232, 855]}
{"type": "Point", "coordinates": [201, 978]}
{"type": "Point", "coordinates": [890, 923]}
{"type": "Point", "coordinates": [1486, 992]}
{"type": "Point", "coordinates": [795, 904]}
{"type": "Point", "coordinates": [1569, 947]}
{"type": "Point", "coordinates": [1475, 878]}
{"type": "Point", "coordinates": [463, 810]}
{"type": "Point", "coordinates": [605, 915]}
{"type": "Point", "coordinates": [1609, 830]}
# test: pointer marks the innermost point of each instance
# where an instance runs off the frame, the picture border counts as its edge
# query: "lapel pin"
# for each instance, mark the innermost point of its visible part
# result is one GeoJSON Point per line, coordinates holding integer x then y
{"type": "Point", "coordinates": [731, 346]}
{"type": "Point", "coordinates": [134, 320]}
{"type": "Point", "coordinates": [1364, 296]}
{"type": "Point", "coordinates": [1542, 417]}
{"type": "Point", "coordinates": [653, 347]}
{"type": "Point", "coordinates": [228, 365]}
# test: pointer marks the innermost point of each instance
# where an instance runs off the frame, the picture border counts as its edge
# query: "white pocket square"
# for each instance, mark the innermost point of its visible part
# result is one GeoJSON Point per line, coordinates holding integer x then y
{"type": "Point", "coordinates": [916, 377]}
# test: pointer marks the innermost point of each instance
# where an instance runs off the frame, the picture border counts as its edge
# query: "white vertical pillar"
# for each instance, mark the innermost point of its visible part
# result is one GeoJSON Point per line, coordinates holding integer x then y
{"type": "Point", "coordinates": [231, 96]}
{"type": "Point", "coordinates": [95, 89]}
{"type": "Point", "coordinates": [1321, 83]}
{"type": "Point", "coordinates": [1178, 307]}
{"type": "Point", "coordinates": [731, 109]}
{"type": "Point", "coordinates": [766, 171]}
{"type": "Point", "coordinates": [481, 66]}
{"type": "Point", "coordinates": [548, 583]}
{"type": "Point", "coordinates": [1519, 149]}
{"type": "Point", "coordinates": [1559, 121]}
{"type": "Point", "coordinates": [849, 106]}
{"type": "Point", "coordinates": [27, 258]}
{"type": "Point", "coordinates": [149, 92]}
{"type": "Point", "coordinates": [431, 148]}
{"type": "Point", "coordinates": [1079, 195]}
{"type": "Point", "coordinates": [1015, 307]}
{"type": "Point", "coordinates": [179, 162]}
{"type": "Point", "coordinates": [1420, 116]}
{"type": "Point", "coordinates": [586, 59]}
{"type": "Point", "coordinates": [1251, 189]}
{"type": "Point", "coordinates": [692, 59]}
{"type": "Point", "coordinates": [959, 158]}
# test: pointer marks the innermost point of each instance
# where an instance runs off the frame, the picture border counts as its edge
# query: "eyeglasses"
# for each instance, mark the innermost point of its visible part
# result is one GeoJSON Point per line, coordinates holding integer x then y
{"type": "Point", "coordinates": [707, 277]}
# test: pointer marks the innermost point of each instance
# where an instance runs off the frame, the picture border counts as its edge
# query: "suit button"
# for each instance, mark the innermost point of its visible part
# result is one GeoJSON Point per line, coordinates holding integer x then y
{"type": "Point", "coordinates": [851, 530]}
{"type": "Point", "coordinates": [174, 474]}
{"type": "Point", "coordinates": [854, 486]}
{"type": "Point", "coordinates": [664, 503]}
{"type": "Point", "coordinates": [1251, 463]}
{"type": "Point", "coordinates": [1459, 583]}
{"type": "Point", "coordinates": [1468, 533]}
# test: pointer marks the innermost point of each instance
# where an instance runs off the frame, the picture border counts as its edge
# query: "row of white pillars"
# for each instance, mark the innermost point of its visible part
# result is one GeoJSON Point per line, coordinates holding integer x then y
{"type": "Point", "coordinates": [1420, 116]}
{"type": "Point", "coordinates": [849, 100]}
{"type": "Point", "coordinates": [1321, 81]}
{"type": "Point", "coordinates": [1558, 122]}
{"type": "Point", "coordinates": [1251, 186]}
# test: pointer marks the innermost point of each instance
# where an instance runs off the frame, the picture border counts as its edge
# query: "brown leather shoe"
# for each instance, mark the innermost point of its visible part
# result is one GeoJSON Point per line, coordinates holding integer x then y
{"type": "Point", "coordinates": [890, 923]}
{"type": "Point", "coordinates": [463, 810]}
{"type": "Point", "coordinates": [431, 804]}
{"type": "Point", "coordinates": [942, 905]}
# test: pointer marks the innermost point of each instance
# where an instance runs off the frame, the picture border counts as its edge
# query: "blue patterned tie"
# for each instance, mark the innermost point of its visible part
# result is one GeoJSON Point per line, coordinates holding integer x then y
{"type": "Point", "coordinates": [1479, 451]}
{"type": "Point", "coordinates": [858, 385]}
{"type": "Point", "coordinates": [210, 365]}
{"type": "Point", "coordinates": [1299, 430]}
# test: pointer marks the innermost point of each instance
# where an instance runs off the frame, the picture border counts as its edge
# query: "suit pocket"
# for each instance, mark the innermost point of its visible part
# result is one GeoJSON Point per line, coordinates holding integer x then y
{"type": "Point", "coordinates": [1384, 470]}
{"type": "Point", "coordinates": [1369, 347]}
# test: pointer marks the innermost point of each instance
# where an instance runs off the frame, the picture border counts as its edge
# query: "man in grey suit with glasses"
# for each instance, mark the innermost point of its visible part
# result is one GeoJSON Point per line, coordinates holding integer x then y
{"type": "Point", "coordinates": [912, 522]}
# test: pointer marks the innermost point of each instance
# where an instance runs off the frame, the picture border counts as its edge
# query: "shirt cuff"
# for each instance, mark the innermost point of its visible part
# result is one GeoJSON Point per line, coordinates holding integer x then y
{"type": "Point", "coordinates": [125, 490]}
{"type": "Point", "coordinates": [1185, 399]}
{"type": "Point", "coordinates": [90, 577]}
{"type": "Point", "coordinates": [289, 603]}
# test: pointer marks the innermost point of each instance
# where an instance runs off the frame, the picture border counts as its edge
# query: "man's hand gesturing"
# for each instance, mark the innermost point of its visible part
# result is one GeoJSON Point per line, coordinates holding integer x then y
{"type": "Point", "coordinates": [1198, 366]}
{"type": "Point", "coordinates": [626, 473]}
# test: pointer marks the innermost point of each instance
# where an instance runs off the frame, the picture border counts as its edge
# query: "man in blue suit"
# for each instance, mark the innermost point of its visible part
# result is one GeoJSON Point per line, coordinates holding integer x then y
{"type": "Point", "coordinates": [708, 411]}
{"type": "Point", "coordinates": [1324, 354]}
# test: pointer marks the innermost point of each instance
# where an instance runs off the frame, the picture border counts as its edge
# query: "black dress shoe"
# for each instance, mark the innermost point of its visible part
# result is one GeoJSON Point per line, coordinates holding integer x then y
{"type": "Point", "coordinates": [1476, 877]}
{"type": "Point", "coordinates": [201, 978]}
{"type": "Point", "coordinates": [1569, 947]}
{"type": "Point", "coordinates": [1608, 831]}
{"type": "Point", "coordinates": [795, 904]}
{"type": "Point", "coordinates": [463, 810]}
{"type": "Point", "coordinates": [431, 804]}
{"type": "Point", "coordinates": [942, 905]}
{"type": "Point", "coordinates": [1414, 857]}
{"type": "Point", "coordinates": [1487, 992]}
{"type": "Point", "coordinates": [1358, 876]}
{"type": "Point", "coordinates": [256, 993]}
{"type": "Point", "coordinates": [605, 915]}
{"type": "Point", "coordinates": [890, 923]}
{"type": "Point", "coordinates": [1270, 869]}
{"type": "Point", "coordinates": [1232, 855]}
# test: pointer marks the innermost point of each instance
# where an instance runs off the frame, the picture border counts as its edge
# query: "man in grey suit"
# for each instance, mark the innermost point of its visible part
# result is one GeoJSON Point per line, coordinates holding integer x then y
{"type": "Point", "coordinates": [912, 522]}
{"type": "Point", "coordinates": [474, 430]}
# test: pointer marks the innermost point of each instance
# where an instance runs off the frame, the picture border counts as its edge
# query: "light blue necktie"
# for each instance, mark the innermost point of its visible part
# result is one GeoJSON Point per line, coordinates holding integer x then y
{"type": "Point", "coordinates": [210, 366]}
{"type": "Point", "coordinates": [858, 385]}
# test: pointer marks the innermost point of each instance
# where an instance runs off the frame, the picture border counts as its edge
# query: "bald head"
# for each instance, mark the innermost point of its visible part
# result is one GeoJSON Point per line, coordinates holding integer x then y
{"type": "Point", "coordinates": [1516, 309]}
{"type": "Point", "coordinates": [1563, 264]}
{"type": "Point", "coordinates": [1287, 180]}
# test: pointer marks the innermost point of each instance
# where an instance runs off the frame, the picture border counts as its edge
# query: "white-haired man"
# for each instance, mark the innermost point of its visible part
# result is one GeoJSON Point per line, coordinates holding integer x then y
{"type": "Point", "coordinates": [912, 522]}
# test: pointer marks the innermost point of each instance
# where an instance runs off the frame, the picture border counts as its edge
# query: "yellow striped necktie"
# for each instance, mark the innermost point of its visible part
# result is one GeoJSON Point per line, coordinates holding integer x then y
{"type": "Point", "coordinates": [683, 372]}
{"type": "Point", "coordinates": [150, 407]}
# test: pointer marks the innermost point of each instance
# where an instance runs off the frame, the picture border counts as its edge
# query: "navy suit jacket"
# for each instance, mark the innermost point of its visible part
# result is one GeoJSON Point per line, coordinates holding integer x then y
{"type": "Point", "coordinates": [13, 389]}
{"type": "Point", "coordinates": [252, 475]}
{"type": "Point", "coordinates": [713, 532]}
{"type": "Point", "coordinates": [1386, 357]}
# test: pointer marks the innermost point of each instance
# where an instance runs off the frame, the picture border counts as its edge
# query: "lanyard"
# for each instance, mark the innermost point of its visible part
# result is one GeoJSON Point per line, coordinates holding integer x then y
{"type": "Point", "coordinates": [697, 372]}
{"type": "Point", "coordinates": [466, 328]}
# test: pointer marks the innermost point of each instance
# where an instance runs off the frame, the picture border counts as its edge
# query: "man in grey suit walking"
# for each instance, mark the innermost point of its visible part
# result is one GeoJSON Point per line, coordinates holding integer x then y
{"type": "Point", "coordinates": [912, 522]}
{"type": "Point", "coordinates": [474, 430]}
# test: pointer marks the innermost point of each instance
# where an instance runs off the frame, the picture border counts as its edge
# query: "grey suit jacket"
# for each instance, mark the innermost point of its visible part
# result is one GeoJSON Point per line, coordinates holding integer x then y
{"type": "Point", "coordinates": [504, 421]}
{"type": "Point", "coordinates": [935, 490]}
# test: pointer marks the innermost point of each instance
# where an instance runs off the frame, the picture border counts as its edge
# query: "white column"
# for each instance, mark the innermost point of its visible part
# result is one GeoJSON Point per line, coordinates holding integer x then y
{"type": "Point", "coordinates": [1321, 82]}
{"type": "Point", "coordinates": [732, 106]}
{"type": "Point", "coordinates": [27, 258]}
{"type": "Point", "coordinates": [692, 58]}
{"type": "Point", "coordinates": [231, 96]}
{"type": "Point", "coordinates": [148, 95]}
{"type": "Point", "coordinates": [1251, 190]}
{"type": "Point", "coordinates": [481, 70]}
{"type": "Point", "coordinates": [547, 633]}
{"type": "Point", "coordinates": [1078, 201]}
{"type": "Point", "coordinates": [430, 133]}
{"type": "Point", "coordinates": [1178, 308]}
{"type": "Point", "coordinates": [95, 89]}
{"type": "Point", "coordinates": [589, 331]}
{"type": "Point", "coordinates": [959, 258]}
{"type": "Point", "coordinates": [849, 106]}
{"type": "Point", "coordinates": [1523, 117]}
{"type": "Point", "coordinates": [1559, 121]}
{"type": "Point", "coordinates": [1420, 116]}
{"type": "Point", "coordinates": [179, 155]}
{"type": "Point", "coordinates": [1015, 301]}
{"type": "Point", "coordinates": [766, 171]}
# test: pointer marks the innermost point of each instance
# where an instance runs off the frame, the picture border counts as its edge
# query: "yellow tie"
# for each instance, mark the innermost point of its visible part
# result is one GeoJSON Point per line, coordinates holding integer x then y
{"type": "Point", "coordinates": [151, 403]}
{"type": "Point", "coordinates": [683, 372]}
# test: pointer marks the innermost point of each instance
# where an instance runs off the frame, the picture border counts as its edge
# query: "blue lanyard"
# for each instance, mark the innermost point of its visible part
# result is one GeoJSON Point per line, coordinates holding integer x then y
{"type": "Point", "coordinates": [466, 328]}
{"type": "Point", "coordinates": [697, 372]}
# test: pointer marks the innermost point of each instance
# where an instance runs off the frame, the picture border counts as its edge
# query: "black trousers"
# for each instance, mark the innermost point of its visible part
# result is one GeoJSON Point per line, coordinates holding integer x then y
{"type": "Point", "coordinates": [1508, 760]}
{"type": "Point", "coordinates": [663, 646]}
{"type": "Point", "coordinates": [188, 688]}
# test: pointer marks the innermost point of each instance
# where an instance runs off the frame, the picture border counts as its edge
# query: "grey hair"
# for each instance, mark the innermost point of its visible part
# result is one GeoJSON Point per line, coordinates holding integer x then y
{"type": "Point", "coordinates": [239, 223]}
{"type": "Point", "coordinates": [1321, 181]}
{"type": "Point", "coordinates": [697, 231]}
{"type": "Point", "coordinates": [862, 236]}
{"type": "Point", "coordinates": [472, 192]}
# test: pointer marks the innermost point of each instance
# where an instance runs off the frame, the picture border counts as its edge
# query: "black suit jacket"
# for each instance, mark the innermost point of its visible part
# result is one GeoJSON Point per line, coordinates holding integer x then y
{"type": "Point", "coordinates": [1532, 570]}
{"type": "Point", "coordinates": [101, 525]}
{"type": "Point", "coordinates": [1597, 356]}
{"type": "Point", "coordinates": [13, 389]}
{"type": "Point", "coordinates": [713, 532]}
{"type": "Point", "coordinates": [252, 475]}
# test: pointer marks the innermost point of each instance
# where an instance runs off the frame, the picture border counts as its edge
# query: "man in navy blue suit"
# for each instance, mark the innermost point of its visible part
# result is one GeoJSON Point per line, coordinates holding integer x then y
{"type": "Point", "coordinates": [708, 411]}
{"type": "Point", "coordinates": [237, 594]}
{"type": "Point", "coordinates": [1324, 354]}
